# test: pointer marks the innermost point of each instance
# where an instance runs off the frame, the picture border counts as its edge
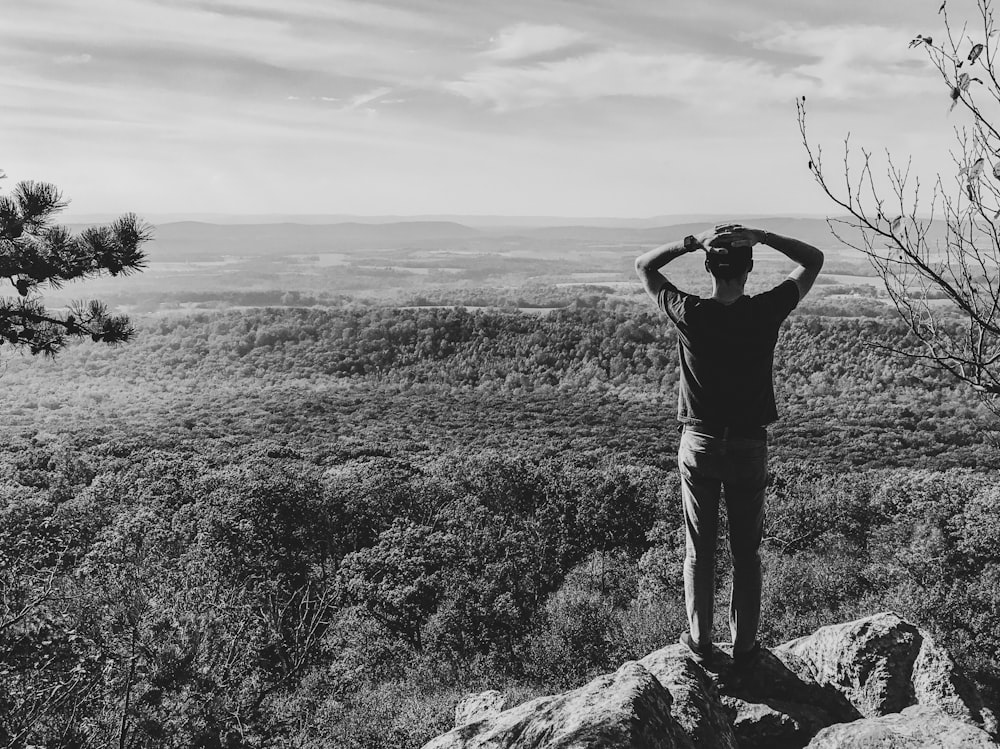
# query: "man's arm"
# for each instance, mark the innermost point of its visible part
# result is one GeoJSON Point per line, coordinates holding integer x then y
{"type": "Point", "coordinates": [809, 258]}
{"type": "Point", "coordinates": [647, 265]}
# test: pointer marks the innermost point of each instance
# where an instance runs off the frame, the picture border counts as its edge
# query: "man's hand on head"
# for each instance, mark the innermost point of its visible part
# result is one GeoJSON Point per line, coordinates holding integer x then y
{"type": "Point", "coordinates": [712, 238]}
{"type": "Point", "coordinates": [723, 236]}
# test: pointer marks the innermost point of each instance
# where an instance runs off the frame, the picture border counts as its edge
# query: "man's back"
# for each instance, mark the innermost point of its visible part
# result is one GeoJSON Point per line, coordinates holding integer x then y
{"type": "Point", "coordinates": [726, 354]}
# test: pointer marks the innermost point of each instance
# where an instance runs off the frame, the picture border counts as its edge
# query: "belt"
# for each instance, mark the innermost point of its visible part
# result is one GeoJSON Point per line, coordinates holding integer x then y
{"type": "Point", "coordinates": [717, 430]}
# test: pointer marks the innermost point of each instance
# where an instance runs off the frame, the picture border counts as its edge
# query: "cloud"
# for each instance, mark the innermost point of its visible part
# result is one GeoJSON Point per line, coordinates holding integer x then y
{"type": "Point", "coordinates": [375, 15]}
{"type": "Point", "coordinates": [359, 101]}
{"type": "Point", "coordinates": [81, 59]}
{"type": "Point", "coordinates": [339, 38]}
{"type": "Point", "coordinates": [851, 61]}
{"type": "Point", "coordinates": [699, 80]}
{"type": "Point", "coordinates": [525, 40]}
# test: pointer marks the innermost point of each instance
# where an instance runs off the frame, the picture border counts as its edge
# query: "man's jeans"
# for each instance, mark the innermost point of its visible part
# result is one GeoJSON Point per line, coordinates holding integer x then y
{"type": "Point", "coordinates": [707, 464]}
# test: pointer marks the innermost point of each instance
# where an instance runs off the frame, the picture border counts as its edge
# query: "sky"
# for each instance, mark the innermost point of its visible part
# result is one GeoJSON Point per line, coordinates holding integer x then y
{"type": "Point", "coordinates": [630, 108]}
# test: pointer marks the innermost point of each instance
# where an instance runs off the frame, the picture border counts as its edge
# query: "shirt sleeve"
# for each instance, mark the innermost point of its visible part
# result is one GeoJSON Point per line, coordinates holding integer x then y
{"type": "Point", "coordinates": [781, 300]}
{"type": "Point", "coordinates": [671, 301]}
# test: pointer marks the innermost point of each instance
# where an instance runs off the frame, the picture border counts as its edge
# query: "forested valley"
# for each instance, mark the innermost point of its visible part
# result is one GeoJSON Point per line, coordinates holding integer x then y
{"type": "Point", "coordinates": [320, 526]}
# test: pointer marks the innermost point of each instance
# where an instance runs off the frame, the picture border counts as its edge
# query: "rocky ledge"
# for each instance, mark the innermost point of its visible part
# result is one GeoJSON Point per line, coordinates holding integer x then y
{"type": "Point", "coordinates": [876, 682]}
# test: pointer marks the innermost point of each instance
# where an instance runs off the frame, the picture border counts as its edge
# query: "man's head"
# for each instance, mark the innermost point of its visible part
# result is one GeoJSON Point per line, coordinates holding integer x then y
{"type": "Point", "coordinates": [729, 262]}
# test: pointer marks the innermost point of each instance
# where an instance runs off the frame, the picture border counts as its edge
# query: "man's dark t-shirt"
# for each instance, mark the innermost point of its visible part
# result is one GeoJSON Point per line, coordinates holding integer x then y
{"type": "Point", "coordinates": [726, 354]}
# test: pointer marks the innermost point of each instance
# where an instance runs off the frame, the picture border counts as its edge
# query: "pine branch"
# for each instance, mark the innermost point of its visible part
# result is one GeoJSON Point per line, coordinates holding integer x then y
{"type": "Point", "coordinates": [34, 253]}
{"type": "Point", "coordinates": [36, 202]}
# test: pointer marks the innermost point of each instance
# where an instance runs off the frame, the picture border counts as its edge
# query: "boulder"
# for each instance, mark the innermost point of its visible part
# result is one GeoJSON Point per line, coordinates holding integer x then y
{"type": "Point", "coordinates": [478, 706]}
{"type": "Point", "coordinates": [628, 709]}
{"type": "Point", "coordinates": [759, 725]}
{"type": "Point", "coordinates": [774, 707]}
{"type": "Point", "coordinates": [915, 727]}
{"type": "Point", "coordinates": [937, 681]}
{"type": "Point", "coordinates": [882, 664]}
{"type": "Point", "coordinates": [696, 705]}
{"type": "Point", "coordinates": [869, 661]}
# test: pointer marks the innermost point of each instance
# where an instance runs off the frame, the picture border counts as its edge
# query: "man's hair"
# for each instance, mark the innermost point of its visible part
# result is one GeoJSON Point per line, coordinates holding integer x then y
{"type": "Point", "coordinates": [729, 265]}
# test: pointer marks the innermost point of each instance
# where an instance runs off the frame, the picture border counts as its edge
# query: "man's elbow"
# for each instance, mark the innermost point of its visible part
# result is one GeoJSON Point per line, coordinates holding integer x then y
{"type": "Point", "coordinates": [815, 260]}
{"type": "Point", "coordinates": [641, 267]}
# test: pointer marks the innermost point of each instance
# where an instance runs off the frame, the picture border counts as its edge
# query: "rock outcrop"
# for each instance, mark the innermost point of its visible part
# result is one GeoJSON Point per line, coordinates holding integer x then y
{"type": "Point", "coordinates": [875, 682]}
{"type": "Point", "coordinates": [480, 705]}
{"type": "Point", "coordinates": [696, 706]}
{"type": "Point", "coordinates": [773, 706]}
{"type": "Point", "coordinates": [627, 708]}
{"type": "Point", "coordinates": [883, 664]}
{"type": "Point", "coordinates": [915, 727]}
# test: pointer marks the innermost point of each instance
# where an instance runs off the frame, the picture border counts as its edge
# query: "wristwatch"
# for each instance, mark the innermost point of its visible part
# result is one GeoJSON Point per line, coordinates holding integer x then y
{"type": "Point", "coordinates": [691, 244]}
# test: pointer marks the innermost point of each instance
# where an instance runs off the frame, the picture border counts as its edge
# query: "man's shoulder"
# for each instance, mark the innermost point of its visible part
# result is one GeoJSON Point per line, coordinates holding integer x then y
{"type": "Point", "coordinates": [785, 292]}
{"type": "Point", "coordinates": [785, 287]}
{"type": "Point", "coordinates": [780, 300]}
{"type": "Point", "coordinates": [675, 302]}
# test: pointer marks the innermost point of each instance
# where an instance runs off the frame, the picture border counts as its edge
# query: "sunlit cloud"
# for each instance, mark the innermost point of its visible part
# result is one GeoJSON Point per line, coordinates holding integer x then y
{"type": "Point", "coordinates": [190, 29]}
{"type": "Point", "coordinates": [694, 79]}
{"type": "Point", "coordinates": [525, 40]}
{"type": "Point", "coordinates": [850, 62]}
{"type": "Point", "coordinates": [359, 12]}
{"type": "Point", "coordinates": [857, 63]}
{"type": "Point", "coordinates": [81, 59]}
{"type": "Point", "coordinates": [359, 101]}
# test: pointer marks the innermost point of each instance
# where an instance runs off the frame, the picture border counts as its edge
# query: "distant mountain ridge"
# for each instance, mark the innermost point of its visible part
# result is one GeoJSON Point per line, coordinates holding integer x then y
{"type": "Point", "coordinates": [193, 238]}
{"type": "Point", "coordinates": [812, 230]}
{"type": "Point", "coordinates": [188, 240]}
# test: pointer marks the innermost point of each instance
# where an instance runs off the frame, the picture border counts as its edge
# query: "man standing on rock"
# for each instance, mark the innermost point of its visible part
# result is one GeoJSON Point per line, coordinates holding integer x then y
{"type": "Point", "coordinates": [726, 400]}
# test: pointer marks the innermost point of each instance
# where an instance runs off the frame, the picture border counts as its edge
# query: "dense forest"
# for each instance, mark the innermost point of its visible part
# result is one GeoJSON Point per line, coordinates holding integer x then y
{"type": "Point", "coordinates": [319, 526]}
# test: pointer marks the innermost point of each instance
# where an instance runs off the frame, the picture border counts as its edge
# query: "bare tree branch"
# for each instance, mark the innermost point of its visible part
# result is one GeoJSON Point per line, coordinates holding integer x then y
{"type": "Point", "coordinates": [939, 260]}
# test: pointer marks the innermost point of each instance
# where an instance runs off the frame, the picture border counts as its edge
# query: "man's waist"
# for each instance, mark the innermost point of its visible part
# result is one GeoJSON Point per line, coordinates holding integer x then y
{"type": "Point", "coordinates": [725, 431]}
